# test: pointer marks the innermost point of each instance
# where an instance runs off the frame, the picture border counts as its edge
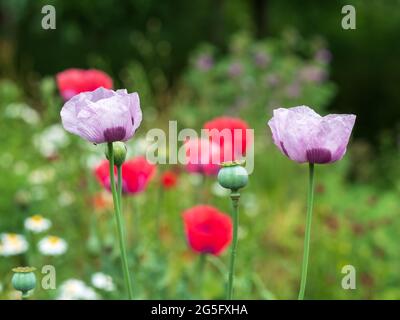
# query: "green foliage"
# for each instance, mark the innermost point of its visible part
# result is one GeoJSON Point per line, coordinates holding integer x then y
{"type": "Point", "coordinates": [253, 78]}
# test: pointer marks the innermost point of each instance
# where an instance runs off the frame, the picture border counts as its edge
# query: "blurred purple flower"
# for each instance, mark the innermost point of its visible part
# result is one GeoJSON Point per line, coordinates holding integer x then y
{"type": "Point", "coordinates": [272, 80]}
{"type": "Point", "coordinates": [261, 59]}
{"type": "Point", "coordinates": [304, 136]}
{"type": "Point", "coordinates": [204, 62]}
{"type": "Point", "coordinates": [235, 69]}
{"type": "Point", "coordinates": [102, 115]}
{"type": "Point", "coordinates": [323, 55]}
{"type": "Point", "coordinates": [313, 74]}
{"type": "Point", "coordinates": [293, 90]}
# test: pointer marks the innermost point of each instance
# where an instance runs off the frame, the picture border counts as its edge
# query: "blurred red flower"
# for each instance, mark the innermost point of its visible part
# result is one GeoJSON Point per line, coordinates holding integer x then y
{"type": "Point", "coordinates": [136, 174]}
{"type": "Point", "coordinates": [73, 81]}
{"type": "Point", "coordinates": [202, 156]}
{"type": "Point", "coordinates": [230, 134]}
{"type": "Point", "coordinates": [169, 179]}
{"type": "Point", "coordinates": [102, 201]}
{"type": "Point", "coordinates": [207, 229]}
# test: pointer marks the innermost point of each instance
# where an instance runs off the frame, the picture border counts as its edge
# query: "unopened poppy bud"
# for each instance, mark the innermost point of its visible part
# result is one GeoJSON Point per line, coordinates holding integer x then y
{"type": "Point", "coordinates": [119, 153]}
{"type": "Point", "coordinates": [24, 280]}
{"type": "Point", "coordinates": [233, 176]}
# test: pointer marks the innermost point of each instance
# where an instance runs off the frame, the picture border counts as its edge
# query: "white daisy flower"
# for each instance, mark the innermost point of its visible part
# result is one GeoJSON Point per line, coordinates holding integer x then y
{"type": "Point", "coordinates": [51, 140]}
{"type": "Point", "coordinates": [22, 111]}
{"type": "Point", "coordinates": [37, 224]}
{"type": "Point", "coordinates": [103, 281]}
{"type": "Point", "coordinates": [66, 198]}
{"type": "Point", "coordinates": [74, 289]}
{"type": "Point", "coordinates": [52, 246]}
{"type": "Point", "coordinates": [41, 176]}
{"type": "Point", "coordinates": [12, 244]}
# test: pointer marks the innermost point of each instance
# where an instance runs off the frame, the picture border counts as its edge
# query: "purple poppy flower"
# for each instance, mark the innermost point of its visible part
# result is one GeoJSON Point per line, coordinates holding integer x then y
{"type": "Point", "coordinates": [272, 80]}
{"type": "Point", "coordinates": [304, 136]}
{"type": "Point", "coordinates": [293, 90]}
{"type": "Point", "coordinates": [235, 69]}
{"type": "Point", "coordinates": [102, 115]}
{"type": "Point", "coordinates": [313, 74]}
{"type": "Point", "coordinates": [204, 62]}
{"type": "Point", "coordinates": [261, 59]}
{"type": "Point", "coordinates": [323, 55]}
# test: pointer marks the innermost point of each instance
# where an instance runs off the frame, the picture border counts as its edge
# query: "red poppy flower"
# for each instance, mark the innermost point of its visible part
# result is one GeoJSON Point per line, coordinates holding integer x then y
{"type": "Point", "coordinates": [169, 179]}
{"type": "Point", "coordinates": [73, 81]}
{"type": "Point", "coordinates": [202, 156]}
{"type": "Point", "coordinates": [102, 174]}
{"type": "Point", "coordinates": [136, 174]}
{"type": "Point", "coordinates": [230, 133]}
{"type": "Point", "coordinates": [207, 230]}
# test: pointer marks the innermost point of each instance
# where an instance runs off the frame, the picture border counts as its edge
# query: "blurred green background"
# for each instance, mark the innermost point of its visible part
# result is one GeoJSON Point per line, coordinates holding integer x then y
{"type": "Point", "coordinates": [285, 53]}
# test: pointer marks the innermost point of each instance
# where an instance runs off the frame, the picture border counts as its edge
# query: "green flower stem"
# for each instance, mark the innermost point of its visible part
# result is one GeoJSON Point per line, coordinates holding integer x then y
{"type": "Point", "coordinates": [235, 202]}
{"type": "Point", "coordinates": [25, 296]}
{"type": "Point", "coordinates": [119, 186]}
{"type": "Point", "coordinates": [118, 217]}
{"type": "Point", "coordinates": [119, 190]}
{"type": "Point", "coordinates": [310, 201]}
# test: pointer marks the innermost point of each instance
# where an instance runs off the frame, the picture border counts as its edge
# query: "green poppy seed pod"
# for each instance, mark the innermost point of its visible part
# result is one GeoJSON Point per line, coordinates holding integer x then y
{"type": "Point", "coordinates": [233, 176]}
{"type": "Point", "coordinates": [24, 279]}
{"type": "Point", "coordinates": [120, 151]}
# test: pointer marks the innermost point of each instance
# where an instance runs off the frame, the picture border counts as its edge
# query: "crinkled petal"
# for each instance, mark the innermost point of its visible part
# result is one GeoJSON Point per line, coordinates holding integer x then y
{"type": "Point", "coordinates": [335, 133]}
{"type": "Point", "coordinates": [70, 111]}
{"type": "Point", "coordinates": [304, 136]}
{"type": "Point", "coordinates": [102, 115]}
{"type": "Point", "coordinates": [107, 120]}
{"type": "Point", "coordinates": [134, 108]}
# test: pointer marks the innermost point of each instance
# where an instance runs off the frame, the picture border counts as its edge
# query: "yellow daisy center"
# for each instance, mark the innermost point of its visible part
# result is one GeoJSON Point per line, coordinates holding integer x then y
{"type": "Point", "coordinates": [13, 238]}
{"type": "Point", "coordinates": [54, 239]}
{"type": "Point", "coordinates": [37, 218]}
